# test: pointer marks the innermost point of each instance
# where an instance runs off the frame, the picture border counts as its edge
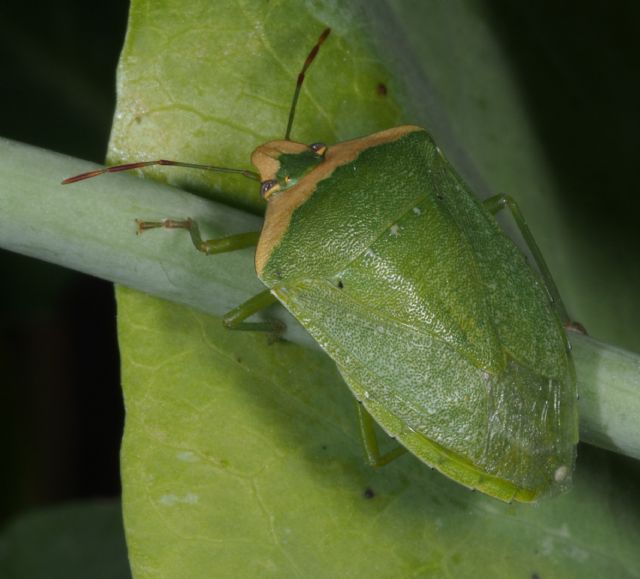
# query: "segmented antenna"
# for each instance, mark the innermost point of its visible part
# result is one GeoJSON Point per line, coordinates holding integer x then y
{"type": "Point", "coordinates": [243, 172]}
{"type": "Point", "coordinates": [140, 164]}
{"type": "Point", "coordinates": [307, 64]}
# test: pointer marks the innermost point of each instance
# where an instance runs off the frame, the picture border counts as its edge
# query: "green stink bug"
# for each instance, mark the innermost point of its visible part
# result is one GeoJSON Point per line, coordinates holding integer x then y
{"type": "Point", "coordinates": [444, 334]}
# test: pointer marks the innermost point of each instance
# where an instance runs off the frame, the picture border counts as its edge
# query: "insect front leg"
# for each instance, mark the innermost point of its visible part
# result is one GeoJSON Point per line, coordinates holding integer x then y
{"type": "Point", "coordinates": [233, 320]}
{"type": "Point", "coordinates": [370, 441]}
{"type": "Point", "coordinates": [209, 246]}
{"type": "Point", "coordinates": [497, 203]}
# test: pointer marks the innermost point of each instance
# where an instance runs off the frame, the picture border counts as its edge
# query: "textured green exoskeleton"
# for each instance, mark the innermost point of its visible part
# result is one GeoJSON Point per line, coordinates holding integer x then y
{"type": "Point", "coordinates": [443, 332]}
{"type": "Point", "coordinates": [435, 320]}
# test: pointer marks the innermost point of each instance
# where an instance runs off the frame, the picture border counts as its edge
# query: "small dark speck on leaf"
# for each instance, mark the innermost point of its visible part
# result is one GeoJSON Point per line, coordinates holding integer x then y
{"type": "Point", "coordinates": [368, 493]}
{"type": "Point", "coordinates": [535, 576]}
{"type": "Point", "coordinates": [340, 284]}
{"type": "Point", "coordinates": [381, 89]}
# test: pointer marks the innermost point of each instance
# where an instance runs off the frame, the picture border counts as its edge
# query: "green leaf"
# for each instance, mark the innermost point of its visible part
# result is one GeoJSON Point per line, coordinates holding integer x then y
{"type": "Point", "coordinates": [243, 459]}
{"type": "Point", "coordinates": [210, 82]}
{"type": "Point", "coordinates": [465, 79]}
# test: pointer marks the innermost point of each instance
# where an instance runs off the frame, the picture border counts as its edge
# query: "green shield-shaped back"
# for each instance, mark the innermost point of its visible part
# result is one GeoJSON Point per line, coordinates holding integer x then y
{"type": "Point", "coordinates": [433, 316]}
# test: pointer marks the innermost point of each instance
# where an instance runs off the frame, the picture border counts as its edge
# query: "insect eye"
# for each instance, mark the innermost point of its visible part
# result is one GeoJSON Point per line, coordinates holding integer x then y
{"type": "Point", "coordinates": [267, 187]}
{"type": "Point", "coordinates": [319, 149]}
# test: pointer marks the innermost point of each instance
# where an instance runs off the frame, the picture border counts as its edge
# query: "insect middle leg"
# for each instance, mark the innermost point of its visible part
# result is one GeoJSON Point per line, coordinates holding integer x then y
{"type": "Point", "coordinates": [234, 320]}
{"type": "Point", "coordinates": [370, 441]}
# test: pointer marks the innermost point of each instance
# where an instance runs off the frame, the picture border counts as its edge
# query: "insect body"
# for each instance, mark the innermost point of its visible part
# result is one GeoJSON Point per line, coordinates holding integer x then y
{"type": "Point", "coordinates": [443, 332]}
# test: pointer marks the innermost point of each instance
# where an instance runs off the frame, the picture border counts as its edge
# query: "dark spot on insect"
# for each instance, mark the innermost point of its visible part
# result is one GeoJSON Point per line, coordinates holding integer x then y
{"type": "Point", "coordinates": [381, 89]}
{"type": "Point", "coordinates": [340, 284]}
{"type": "Point", "coordinates": [368, 493]}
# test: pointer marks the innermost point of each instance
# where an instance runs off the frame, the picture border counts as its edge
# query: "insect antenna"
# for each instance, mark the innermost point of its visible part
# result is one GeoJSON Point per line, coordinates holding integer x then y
{"type": "Point", "coordinates": [244, 172]}
{"type": "Point", "coordinates": [138, 165]}
{"type": "Point", "coordinates": [296, 94]}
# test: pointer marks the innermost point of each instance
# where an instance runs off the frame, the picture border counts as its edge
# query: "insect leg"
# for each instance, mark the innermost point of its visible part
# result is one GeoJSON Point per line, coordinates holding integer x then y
{"type": "Point", "coordinates": [497, 203]}
{"type": "Point", "coordinates": [234, 320]}
{"type": "Point", "coordinates": [210, 246]}
{"type": "Point", "coordinates": [370, 440]}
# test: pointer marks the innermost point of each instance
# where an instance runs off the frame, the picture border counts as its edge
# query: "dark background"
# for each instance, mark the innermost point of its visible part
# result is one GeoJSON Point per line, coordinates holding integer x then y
{"type": "Point", "coordinates": [61, 409]}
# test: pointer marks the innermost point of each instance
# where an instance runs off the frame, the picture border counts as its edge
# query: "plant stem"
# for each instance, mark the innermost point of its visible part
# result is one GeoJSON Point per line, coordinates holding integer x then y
{"type": "Point", "coordinates": [90, 227]}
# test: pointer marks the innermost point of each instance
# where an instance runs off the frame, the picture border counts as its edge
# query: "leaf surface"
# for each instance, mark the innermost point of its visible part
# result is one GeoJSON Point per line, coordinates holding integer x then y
{"type": "Point", "coordinates": [242, 458]}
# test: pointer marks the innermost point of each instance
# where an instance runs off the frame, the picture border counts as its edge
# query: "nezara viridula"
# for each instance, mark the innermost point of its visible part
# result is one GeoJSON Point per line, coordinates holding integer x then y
{"type": "Point", "coordinates": [443, 332]}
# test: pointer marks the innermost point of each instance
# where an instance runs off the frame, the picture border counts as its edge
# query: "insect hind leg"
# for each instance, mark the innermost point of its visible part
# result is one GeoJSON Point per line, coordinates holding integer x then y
{"type": "Point", "coordinates": [370, 441]}
{"type": "Point", "coordinates": [497, 203]}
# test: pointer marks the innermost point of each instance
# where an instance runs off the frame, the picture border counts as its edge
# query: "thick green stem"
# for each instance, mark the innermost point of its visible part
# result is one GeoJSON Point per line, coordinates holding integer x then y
{"type": "Point", "coordinates": [609, 389]}
{"type": "Point", "coordinates": [90, 227]}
